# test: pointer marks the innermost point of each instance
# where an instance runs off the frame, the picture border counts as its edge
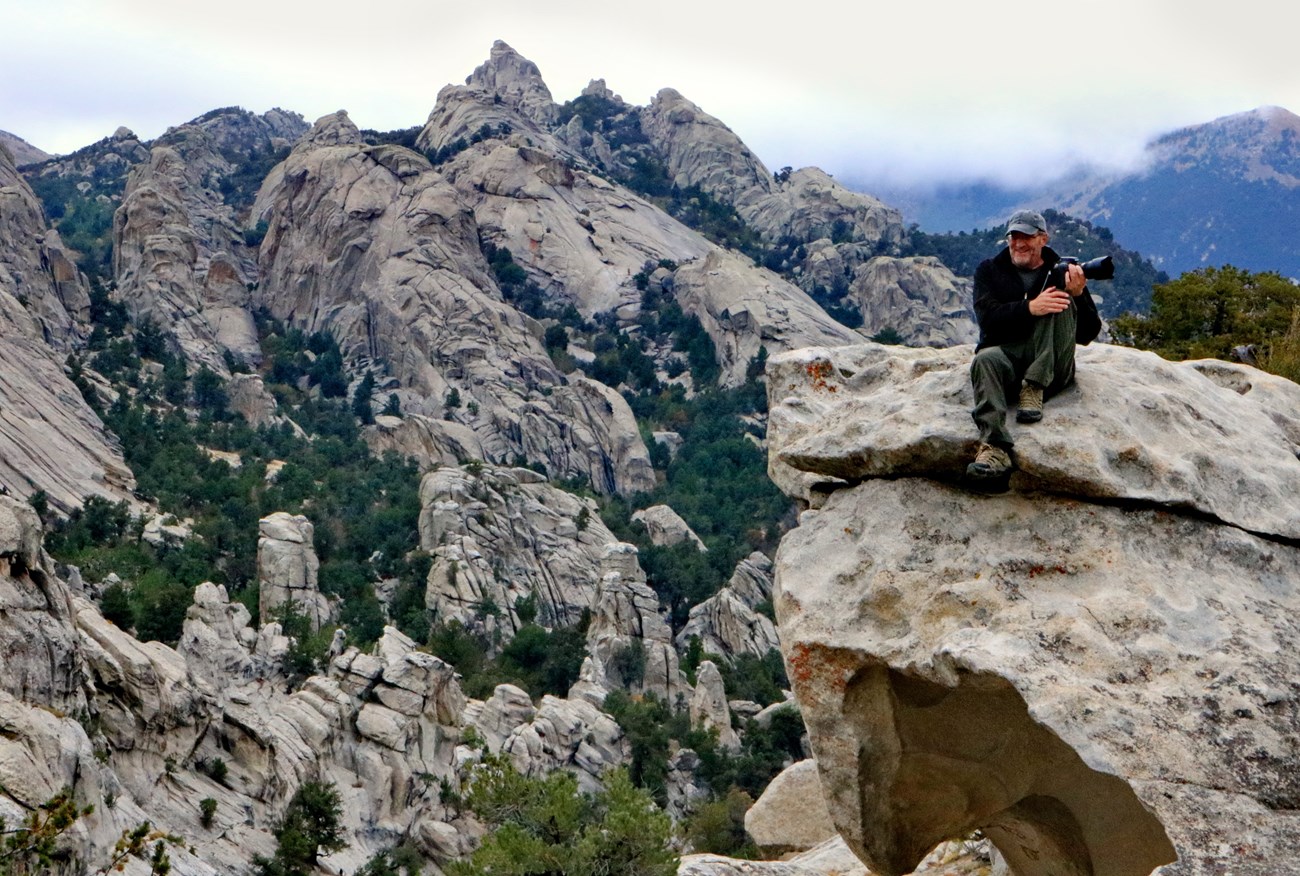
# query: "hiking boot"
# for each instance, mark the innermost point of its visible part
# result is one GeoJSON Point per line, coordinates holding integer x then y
{"type": "Point", "coordinates": [990, 462]}
{"type": "Point", "coordinates": [1031, 403]}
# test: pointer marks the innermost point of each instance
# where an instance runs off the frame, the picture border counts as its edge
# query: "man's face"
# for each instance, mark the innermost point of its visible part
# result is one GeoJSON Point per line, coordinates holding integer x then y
{"type": "Point", "coordinates": [1027, 249]}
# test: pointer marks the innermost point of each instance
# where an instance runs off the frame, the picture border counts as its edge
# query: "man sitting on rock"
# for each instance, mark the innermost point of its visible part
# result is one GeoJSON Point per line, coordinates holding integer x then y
{"type": "Point", "coordinates": [1027, 337]}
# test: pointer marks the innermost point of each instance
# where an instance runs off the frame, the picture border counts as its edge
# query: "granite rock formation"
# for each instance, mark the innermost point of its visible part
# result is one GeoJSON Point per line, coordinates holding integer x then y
{"type": "Point", "coordinates": [20, 151]}
{"type": "Point", "coordinates": [730, 622]}
{"type": "Point", "coordinates": [919, 298]}
{"type": "Point", "coordinates": [629, 639]}
{"type": "Point", "coordinates": [664, 526]}
{"type": "Point", "coordinates": [287, 568]}
{"type": "Point", "coordinates": [50, 438]}
{"type": "Point", "coordinates": [791, 812]}
{"type": "Point", "coordinates": [501, 535]}
{"type": "Point", "coordinates": [1093, 668]}
{"type": "Point", "coordinates": [179, 253]}
{"type": "Point", "coordinates": [371, 245]}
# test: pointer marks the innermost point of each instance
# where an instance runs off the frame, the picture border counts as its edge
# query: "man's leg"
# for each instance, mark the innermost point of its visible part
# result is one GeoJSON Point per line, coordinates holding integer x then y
{"type": "Point", "coordinates": [1051, 366]}
{"type": "Point", "coordinates": [993, 376]}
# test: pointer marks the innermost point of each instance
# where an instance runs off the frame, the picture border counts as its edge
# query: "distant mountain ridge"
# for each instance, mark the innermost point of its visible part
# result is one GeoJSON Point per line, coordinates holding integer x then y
{"type": "Point", "coordinates": [23, 153]}
{"type": "Point", "coordinates": [1224, 192]}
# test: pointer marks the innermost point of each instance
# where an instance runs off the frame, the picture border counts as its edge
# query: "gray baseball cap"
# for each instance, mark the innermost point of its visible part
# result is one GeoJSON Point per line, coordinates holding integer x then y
{"type": "Point", "coordinates": [1026, 222]}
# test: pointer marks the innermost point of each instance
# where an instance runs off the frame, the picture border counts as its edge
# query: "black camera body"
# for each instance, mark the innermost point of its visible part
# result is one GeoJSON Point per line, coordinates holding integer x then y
{"type": "Point", "coordinates": [1097, 269]}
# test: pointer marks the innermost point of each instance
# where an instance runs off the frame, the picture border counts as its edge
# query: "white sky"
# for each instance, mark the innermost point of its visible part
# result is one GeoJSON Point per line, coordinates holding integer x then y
{"type": "Point", "coordinates": [905, 90]}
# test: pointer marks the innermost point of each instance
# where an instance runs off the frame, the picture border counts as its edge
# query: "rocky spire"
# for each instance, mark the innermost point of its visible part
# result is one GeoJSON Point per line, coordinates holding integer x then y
{"type": "Point", "coordinates": [517, 81]}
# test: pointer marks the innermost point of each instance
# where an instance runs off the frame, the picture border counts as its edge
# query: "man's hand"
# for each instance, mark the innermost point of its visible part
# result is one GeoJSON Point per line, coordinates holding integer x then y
{"type": "Point", "coordinates": [1075, 280]}
{"type": "Point", "coordinates": [1055, 300]}
{"type": "Point", "coordinates": [1050, 301]}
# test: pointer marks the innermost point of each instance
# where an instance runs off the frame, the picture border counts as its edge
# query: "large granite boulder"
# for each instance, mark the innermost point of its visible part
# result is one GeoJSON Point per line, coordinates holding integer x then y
{"type": "Point", "coordinates": [790, 814]}
{"type": "Point", "coordinates": [287, 569]}
{"type": "Point", "coordinates": [1096, 668]}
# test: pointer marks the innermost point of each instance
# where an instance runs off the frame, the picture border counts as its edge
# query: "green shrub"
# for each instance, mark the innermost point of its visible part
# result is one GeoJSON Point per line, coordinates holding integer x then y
{"type": "Point", "coordinates": [545, 825]}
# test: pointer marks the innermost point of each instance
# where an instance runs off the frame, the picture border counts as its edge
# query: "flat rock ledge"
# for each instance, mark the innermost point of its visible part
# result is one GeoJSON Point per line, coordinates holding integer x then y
{"type": "Point", "coordinates": [1206, 436]}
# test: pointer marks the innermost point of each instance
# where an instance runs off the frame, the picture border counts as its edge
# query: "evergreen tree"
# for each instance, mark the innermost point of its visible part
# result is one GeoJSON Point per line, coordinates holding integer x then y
{"type": "Point", "coordinates": [361, 400]}
{"type": "Point", "coordinates": [312, 824]}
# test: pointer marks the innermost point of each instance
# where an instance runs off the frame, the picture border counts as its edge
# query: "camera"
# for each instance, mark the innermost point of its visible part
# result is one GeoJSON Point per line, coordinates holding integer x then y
{"type": "Point", "coordinates": [1097, 269]}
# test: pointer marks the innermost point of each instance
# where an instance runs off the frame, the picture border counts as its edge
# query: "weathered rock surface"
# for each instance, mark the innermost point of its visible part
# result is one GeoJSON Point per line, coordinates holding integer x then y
{"type": "Point", "coordinates": [501, 535]}
{"type": "Point", "coordinates": [20, 151]}
{"type": "Point", "coordinates": [179, 254]}
{"type": "Point", "coordinates": [700, 150]}
{"type": "Point", "coordinates": [507, 82]}
{"type": "Point", "coordinates": [286, 569]}
{"type": "Point", "coordinates": [627, 630]}
{"type": "Point", "coordinates": [1094, 669]}
{"type": "Point", "coordinates": [582, 238]}
{"type": "Point", "coordinates": [42, 663]}
{"type": "Point", "coordinates": [918, 297]}
{"type": "Point", "coordinates": [729, 622]}
{"type": "Point", "coordinates": [159, 730]}
{"type": "Point", "coordinates": [371, 245]}
{"type": "Point", "coordinates": [834, 858]}
{"type": "Point", "coordinates": [1180, 439]}
{"type": "Point", "coordinates": [744, 308]}
{"type": "Point", "coordinates": [36, 268]}
{"type": "Point", "coordinates": [436, 443]}
{"type": "Point", "coordinates": [790, 815]}
{"type": "Point", "coordinates": [568, 734]}
{"type": "Point", "coordinates": [665, 526]}
{"type": "Point", "coordinates": [50, 439]}
{"type": "Point", "coordinates": [708, 705]}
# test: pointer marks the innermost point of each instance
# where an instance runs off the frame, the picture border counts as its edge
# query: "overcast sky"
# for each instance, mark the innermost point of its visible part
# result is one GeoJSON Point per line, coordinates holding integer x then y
{"type": "Point", "coordinates": [900, 90]}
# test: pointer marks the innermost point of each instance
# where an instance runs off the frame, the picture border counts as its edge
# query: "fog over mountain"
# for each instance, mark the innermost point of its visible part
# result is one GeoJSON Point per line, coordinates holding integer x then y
{"type": "Point", "coordinates": [905, 93]}
{"type": "Point", "coordinates": [1223, 192]}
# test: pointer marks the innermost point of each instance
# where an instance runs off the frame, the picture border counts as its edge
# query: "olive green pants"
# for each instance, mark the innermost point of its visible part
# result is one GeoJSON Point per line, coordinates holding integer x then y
{"type": "Point", "coordinates": [1045, 358]}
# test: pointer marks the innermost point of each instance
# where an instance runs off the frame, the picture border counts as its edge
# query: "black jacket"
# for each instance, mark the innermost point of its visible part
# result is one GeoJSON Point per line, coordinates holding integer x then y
{"type": "Point", "coordinates": [1002, 305]}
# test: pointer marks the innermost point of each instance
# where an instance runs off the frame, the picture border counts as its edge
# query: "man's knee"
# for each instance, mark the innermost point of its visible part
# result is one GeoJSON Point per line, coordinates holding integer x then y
{"type": "Point", "coordinates": [990, 360]}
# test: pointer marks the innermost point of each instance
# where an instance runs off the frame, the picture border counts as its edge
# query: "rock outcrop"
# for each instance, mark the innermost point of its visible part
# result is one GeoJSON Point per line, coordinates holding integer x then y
{"type": "Point", "coordinates": [368, 243]}
{"type": "Point", "coordinates": [546, 194]}
{"type": "Point", "coordinates": [629, 639]}
{"type": "Point", "coordinates": [744, 309]}
{"type": "Point", "coordinates": [501, 535]}
{"type": "Point", "coordinates": [50, 438]}
{"type": "Point", "coordinates": [179, 253]}
{"type": "Point", "coordinates": [20, 151]}
{"type": "Point", "coordinates": [919, 298]}
{"type": "Point", "coordinates": [503, 89]}
{"type": "Point", "coordinates": [807, 204]}
{"type": "Point", "coordinates": [729, 622]}
{"type": "Point", "coordinates": [708, 706]}
{"type": "Point", "coordinates": [287, 568]}
{"type": "Point", "coordinates": [1094, 669]}
{"type": "Point", "coordinates": [36, 268]}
